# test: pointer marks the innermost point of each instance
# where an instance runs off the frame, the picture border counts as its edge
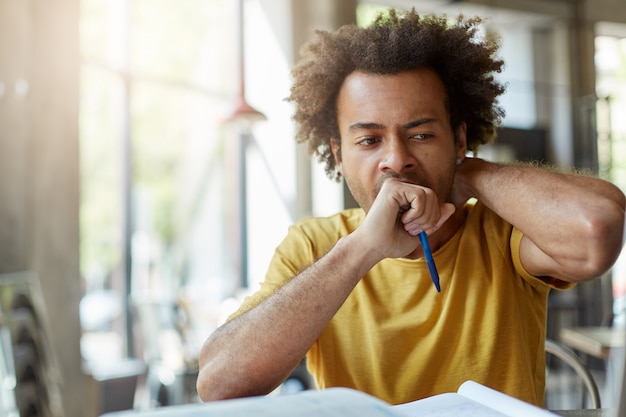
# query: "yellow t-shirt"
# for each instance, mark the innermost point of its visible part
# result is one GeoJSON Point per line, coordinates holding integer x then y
{"type": "Point", "coordinates": [397, 338]}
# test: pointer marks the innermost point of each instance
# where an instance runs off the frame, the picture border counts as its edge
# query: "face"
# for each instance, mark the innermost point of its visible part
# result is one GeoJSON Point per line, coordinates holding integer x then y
{"type": "Point", "coordinates": [396, 126]}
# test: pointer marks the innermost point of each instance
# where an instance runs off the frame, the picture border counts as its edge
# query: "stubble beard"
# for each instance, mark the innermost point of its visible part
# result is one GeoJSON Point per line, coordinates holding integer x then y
{"type": "Point", "coordinates": [365, 198]}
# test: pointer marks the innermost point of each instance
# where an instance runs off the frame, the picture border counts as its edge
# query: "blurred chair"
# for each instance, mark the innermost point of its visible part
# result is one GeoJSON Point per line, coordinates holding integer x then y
{"type": "Point", "coordinates": [162, 345]}
{"type": "Point", "coordinates": [29, 374]}
{"type": "Point", "coordinates": [570, 358]}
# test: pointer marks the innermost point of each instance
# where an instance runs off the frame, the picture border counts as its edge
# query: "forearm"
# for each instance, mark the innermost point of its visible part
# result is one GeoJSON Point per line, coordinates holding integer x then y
{"type": "Point", "coordinates": [255, 352]}
{"type": "Point", "coordinates": [573, 223]}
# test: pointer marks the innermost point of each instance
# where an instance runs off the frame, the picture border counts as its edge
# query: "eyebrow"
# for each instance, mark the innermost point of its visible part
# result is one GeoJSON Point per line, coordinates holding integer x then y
{"type": "Point", "coordinates": [419, 122]}
{"type": "Point", "coordinates": [376, 126]}
{"type": "Point", "coordinates": [365, 126]}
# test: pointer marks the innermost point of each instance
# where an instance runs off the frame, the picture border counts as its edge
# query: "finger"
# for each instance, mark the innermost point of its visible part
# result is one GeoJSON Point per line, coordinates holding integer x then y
{"type": "Point", "coordinates": [424, 208]}
{"type": "Point", "coordinates": [446, 211]}
{"type": "Point", "coordinates": [432, 223]}
{"type": "Point", "coordinates": [418, 200]}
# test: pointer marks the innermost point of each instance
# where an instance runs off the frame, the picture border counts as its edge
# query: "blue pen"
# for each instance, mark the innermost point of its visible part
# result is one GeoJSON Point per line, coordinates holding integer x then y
{"type": "Point", "coordinates": [432, 268]}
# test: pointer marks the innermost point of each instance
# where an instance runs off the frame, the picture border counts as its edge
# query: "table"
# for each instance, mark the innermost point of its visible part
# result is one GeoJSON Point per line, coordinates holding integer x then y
{"type": "Point", "coordinates": [594, 341]}
{"type": "Point", "coordinates": [597, 342]}
{"type": "Point", "coordinates": [600, 412]}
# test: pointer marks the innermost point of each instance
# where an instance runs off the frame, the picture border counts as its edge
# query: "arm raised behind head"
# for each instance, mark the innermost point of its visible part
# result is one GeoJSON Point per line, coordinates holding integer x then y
{"type": "Point", "coordinates": [572, 224]}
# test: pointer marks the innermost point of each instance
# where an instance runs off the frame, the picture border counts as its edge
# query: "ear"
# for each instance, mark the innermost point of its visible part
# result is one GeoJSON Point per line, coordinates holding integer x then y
{"type": "Point", "coordinates": [335, 146]}
{"type": "Point", "coordinates": [461, 141]}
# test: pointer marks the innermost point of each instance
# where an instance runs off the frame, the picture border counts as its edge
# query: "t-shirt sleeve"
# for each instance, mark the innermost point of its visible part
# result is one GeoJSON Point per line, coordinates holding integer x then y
{"type": "Point", "coordinates": [306, 242]}
{"type": "Point", "coordinates": [294, 254]}
{"type": "Point", "coordinates": [516, 239]}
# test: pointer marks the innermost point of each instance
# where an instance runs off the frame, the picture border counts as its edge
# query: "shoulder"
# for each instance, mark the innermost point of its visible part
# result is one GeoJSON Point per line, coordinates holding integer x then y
{"type": "Point", "coordinates": [311, 238]}
{"type": "Point", "coordinates": [484, 230]}
{"type": "Point", "coordinates": [484, 224]}
{"type": "Point", "coordinates": [478, 212]}
{"type": "Point", "coordinates": [332, 227]}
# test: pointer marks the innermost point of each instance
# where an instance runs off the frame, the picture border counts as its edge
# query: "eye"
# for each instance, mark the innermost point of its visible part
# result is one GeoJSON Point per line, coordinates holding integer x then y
{"type": "Point", "coordinates": [421, 136]}
{"type": "Point", "coordinates": [368, 141]}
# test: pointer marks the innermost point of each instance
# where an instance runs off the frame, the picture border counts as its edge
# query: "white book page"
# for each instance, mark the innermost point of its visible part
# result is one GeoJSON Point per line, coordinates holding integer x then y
{"type": "Point", "coordinates": [332, 402]}
{"type": "Point", "coordinates": [471, 400]}
{"type": "Point", "coordinates": [503, 403]}
{"type": "Point", "coordinates": [447, 405]}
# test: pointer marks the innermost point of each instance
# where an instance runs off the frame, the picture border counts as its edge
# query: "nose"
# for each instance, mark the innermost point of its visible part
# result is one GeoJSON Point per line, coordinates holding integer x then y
{"type": "Point", "coordinates": [396, 157]}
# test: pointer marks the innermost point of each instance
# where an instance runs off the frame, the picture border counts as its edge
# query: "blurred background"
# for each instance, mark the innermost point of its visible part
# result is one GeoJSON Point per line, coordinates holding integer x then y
{"type": "Point", "coordinates": [148, 169]}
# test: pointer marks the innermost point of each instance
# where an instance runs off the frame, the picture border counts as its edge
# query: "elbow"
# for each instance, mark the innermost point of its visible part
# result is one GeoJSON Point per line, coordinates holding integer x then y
{"type": "Point", "coordinates": [217, 382]}
{"type": "Point", "coordinates": [606, 238]}
{"type": "Point", "coordinates": [212, 387]}
{"type": "Point", "coordinates": [207, 390]}
{"type": "Point", "coordinates": [202, 387]}
{"type": "Point", "coordinates": [207, 384]}
{"type": "Point", "coordinates": [214, 380]}
{"type": "Point", "coordinates": [223, 379]}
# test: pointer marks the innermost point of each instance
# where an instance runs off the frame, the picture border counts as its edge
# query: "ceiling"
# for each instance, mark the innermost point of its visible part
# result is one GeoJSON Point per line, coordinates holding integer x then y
{"type": "Point", "coordinates": [538, 13]}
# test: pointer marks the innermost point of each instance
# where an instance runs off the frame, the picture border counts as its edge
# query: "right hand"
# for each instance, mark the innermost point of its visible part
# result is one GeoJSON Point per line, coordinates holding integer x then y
{"type": "Point", "coordinates": [399, 213]}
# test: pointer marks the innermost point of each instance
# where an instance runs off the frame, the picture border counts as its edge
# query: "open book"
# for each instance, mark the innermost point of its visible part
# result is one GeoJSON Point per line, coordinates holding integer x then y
{"type": "Point", "coordinates": [471, 399]}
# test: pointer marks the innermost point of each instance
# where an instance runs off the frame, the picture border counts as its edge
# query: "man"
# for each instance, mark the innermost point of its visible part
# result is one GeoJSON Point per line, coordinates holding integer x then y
{"type": "Point", "coordinates": [394, 109]}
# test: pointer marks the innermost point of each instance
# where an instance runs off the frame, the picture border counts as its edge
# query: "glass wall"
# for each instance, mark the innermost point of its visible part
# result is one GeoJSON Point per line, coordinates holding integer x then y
{"type": "Point", "coordinates": [160, 170]}
{"type": "Point", "coordinates": [611, 105]}
{"type": "Point", "coordinates": [161, 207]}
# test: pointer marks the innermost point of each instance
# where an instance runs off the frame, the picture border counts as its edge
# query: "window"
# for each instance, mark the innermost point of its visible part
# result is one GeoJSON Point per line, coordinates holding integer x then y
{"type": "Point", "coordinates": [611, 92]}
{"type": "Point", "coordinates": [157, 77]}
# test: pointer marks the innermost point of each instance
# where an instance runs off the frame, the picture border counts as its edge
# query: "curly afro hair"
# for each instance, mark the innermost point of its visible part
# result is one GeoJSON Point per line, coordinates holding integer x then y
{"type": "Point", "coordinates": [393, 43]}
